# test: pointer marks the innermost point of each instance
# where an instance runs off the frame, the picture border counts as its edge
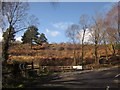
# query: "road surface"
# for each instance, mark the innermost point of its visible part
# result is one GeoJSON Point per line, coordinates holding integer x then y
{"type": "Point", "coordinates": [103, 78]}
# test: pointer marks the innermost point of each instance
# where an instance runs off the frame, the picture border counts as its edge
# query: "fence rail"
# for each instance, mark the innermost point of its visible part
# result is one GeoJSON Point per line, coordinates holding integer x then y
{"type": "Point", "coordinates": [25, 68]}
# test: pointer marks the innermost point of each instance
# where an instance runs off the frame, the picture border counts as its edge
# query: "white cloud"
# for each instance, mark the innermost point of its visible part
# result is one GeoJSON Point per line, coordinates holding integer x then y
{"type": "Point", "coordinates": [19, 39]}
{"type": "Point", "coordinates": [47, 31]}
{"type": "Point", "coordinates": [52, 33]}
{"type": "Point", "coordinates": [62, 25]}
{"type": "Point", "coordinates": [55, 33]}
{"type": "Point", "coordinates": [87, 35]}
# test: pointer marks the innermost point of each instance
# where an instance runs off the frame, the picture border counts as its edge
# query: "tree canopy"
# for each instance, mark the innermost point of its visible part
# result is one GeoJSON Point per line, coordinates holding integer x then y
{"type": "Point", "coordinates": [12, 17]}
{"type": "Point", "coordinates": [30, 35]}
{"type": "Point", "coordinates": [8, 34]}
{"type": "Point", "coordinates": [41, 39]}
{"type": "Point", "coordinates": [33, 36]}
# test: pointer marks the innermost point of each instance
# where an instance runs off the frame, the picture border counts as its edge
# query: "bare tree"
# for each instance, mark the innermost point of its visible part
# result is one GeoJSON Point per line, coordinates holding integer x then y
{"type": "Point", "coordinates": [96, 33]}
{"type": "Point", "coordinates": [113, 27]}
{"type": "Point", "coordinates": [104, 37]}
{"type": "Point", "coordinates": [2, 23]}
{"type": "Point", "coordinates": [71, 33]}
{"type": "Point", "coordinates": [14, 14]}
{"type": "Point", "coordinates": [84, 27]}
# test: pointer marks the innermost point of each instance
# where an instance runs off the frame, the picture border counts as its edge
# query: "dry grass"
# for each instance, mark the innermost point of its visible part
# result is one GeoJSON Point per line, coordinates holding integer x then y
{"type": "Point", "coordinates": [55, 53]}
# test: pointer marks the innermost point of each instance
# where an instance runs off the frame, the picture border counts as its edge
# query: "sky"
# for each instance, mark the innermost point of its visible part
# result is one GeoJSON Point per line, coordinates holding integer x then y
{"type": "Point", "coordinates": [54, 19]}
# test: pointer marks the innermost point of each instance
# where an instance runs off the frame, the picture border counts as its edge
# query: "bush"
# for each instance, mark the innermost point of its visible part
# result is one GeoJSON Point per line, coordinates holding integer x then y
{"type": "Point", "coordinates": [117, 46]}
{"type": "Point", "coordinates": [60, 48]}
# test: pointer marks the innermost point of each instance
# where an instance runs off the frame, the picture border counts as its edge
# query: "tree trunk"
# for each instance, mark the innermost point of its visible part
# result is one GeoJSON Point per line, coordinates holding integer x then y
{"type": "Point", "coordinates": [106, 51]}
{"type": "Point", "coordinates": [39, 67]}
{"type": "Point", "coordinates": [74, 57]}
{"type": "Point", "coordinates": [5, 47]}
{"type": "Point", "coordinates": [96, 54]}
{"type": "Point", "coordinates": [82, 54]}
{"type": "Point", "coordinates": [83, 45]}
{"type": "Point", "coordinates": [113, 47]}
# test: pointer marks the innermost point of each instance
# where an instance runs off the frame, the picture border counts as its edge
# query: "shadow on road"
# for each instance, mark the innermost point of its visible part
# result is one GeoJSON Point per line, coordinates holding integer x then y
{"type": "Point", "coordinates": [86, 81]}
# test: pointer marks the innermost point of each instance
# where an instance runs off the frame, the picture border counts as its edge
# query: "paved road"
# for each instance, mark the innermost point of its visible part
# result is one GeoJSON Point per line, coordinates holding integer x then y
{"type": "Point", "coordinates": [106, 78]}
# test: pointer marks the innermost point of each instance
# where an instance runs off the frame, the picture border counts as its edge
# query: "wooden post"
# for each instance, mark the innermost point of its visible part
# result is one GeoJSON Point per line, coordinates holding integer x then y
{"type": "Point", "coordinates": [26, 69]}
{"type": "Point", "coordinates": [39, 67]}
{"type": "Point", "coordinates": [32, 65]}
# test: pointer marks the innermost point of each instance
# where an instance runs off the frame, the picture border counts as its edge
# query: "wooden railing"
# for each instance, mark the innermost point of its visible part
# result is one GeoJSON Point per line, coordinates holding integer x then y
{"type": "Point", "coordinates": [29, 67]}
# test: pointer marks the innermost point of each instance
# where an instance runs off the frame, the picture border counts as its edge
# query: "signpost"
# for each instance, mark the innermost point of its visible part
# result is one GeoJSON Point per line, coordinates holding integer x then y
{"type": "Point", "coordinates": [22, 66]}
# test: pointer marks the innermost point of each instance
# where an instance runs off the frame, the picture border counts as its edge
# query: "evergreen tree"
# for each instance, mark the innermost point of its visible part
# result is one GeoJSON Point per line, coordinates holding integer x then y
{"type": "Point", "coordinates": [41, 39]}
{"type": "Point", "coordinates": [8, 37]}
{"type": "Point", "coordinates": [9, 34]}
{"type": "Point", "coordinates": [30, 35]}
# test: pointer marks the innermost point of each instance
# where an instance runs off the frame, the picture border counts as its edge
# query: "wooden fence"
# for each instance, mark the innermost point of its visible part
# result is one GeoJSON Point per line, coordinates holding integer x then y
{"type": "Point", "coordinates": [29, 69]}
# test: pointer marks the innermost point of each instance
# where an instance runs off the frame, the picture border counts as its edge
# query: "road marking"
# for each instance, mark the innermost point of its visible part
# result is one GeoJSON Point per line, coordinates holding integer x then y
{"type": "Point", "coordinates": [117, 75]}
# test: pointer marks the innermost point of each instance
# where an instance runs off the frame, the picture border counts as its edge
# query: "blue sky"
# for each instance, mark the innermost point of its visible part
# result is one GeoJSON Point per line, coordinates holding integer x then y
{"type": "Point", "coordinates": [54, 20]}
